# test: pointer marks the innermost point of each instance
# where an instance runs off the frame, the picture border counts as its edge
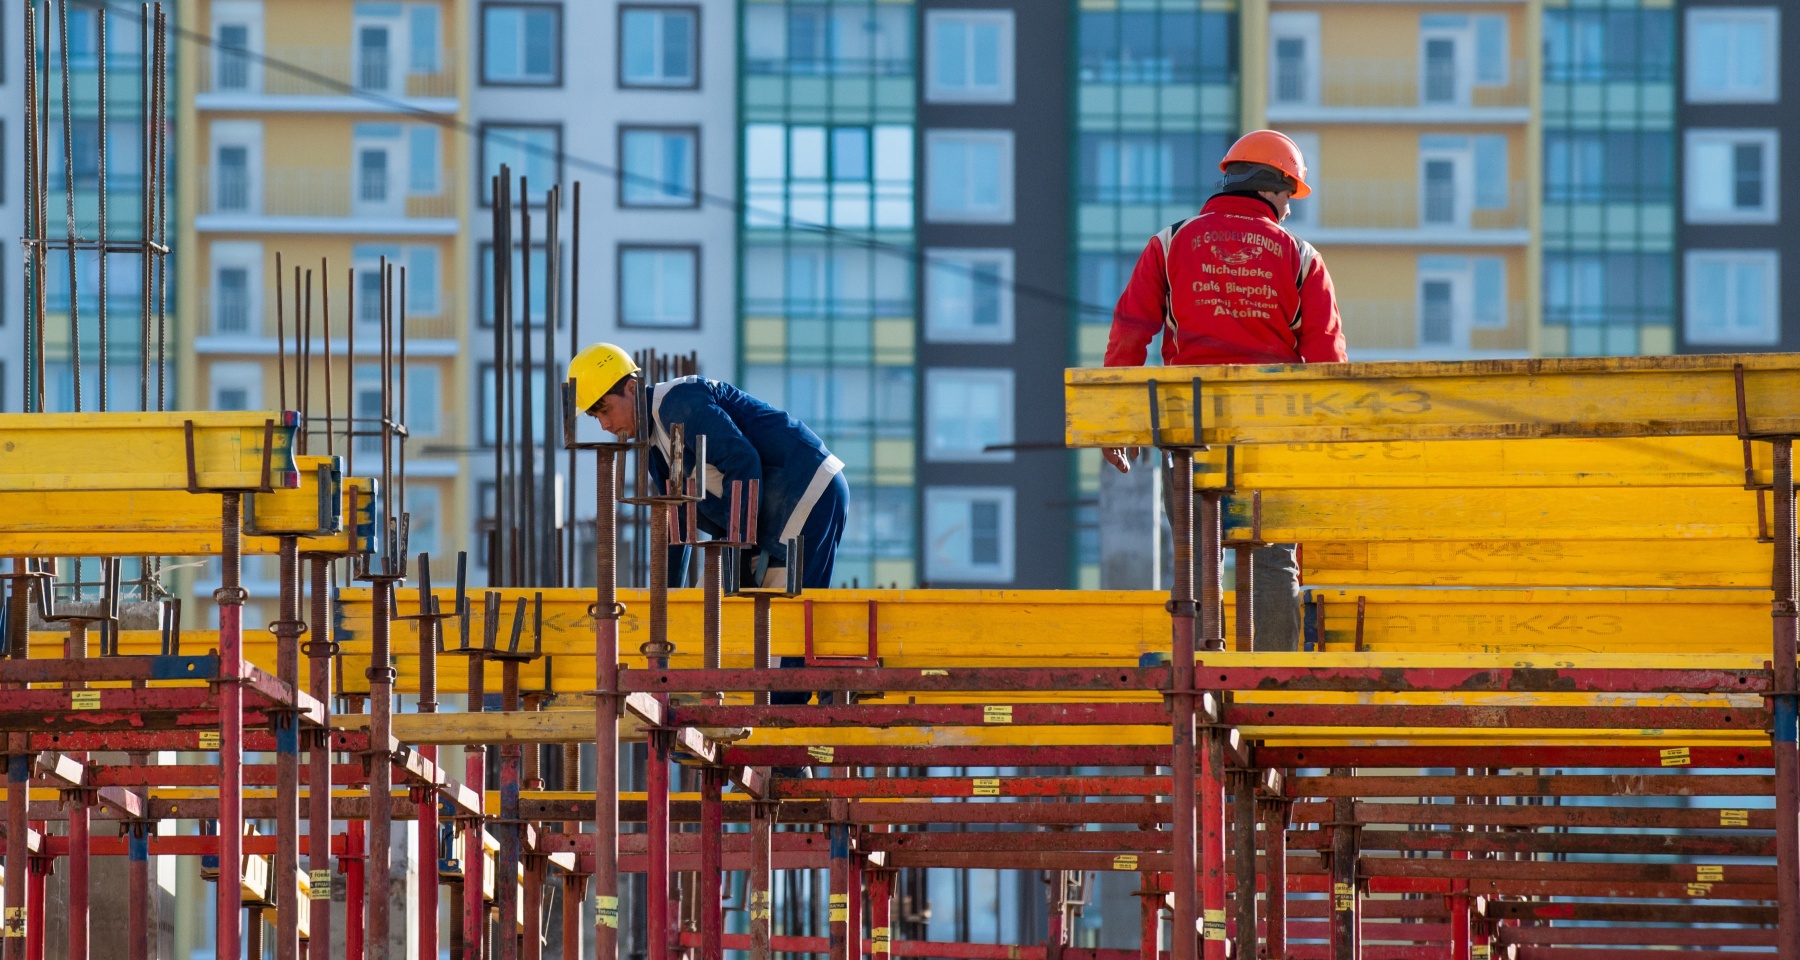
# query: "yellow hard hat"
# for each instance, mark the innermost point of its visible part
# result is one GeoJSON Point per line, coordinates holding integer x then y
{"type": "Point", "coordinates": [596, 370]}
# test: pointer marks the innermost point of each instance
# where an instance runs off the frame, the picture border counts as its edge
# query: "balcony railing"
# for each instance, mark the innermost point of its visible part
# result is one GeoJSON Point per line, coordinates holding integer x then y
{"type": "Point", "coordinates": [233, 318]}
{"type": "Point", "coordinates": [1386, 82]}
{"type": "Point", "coordinates": [1358, 204]}
{"type": "Point", "coordinates": [308, 192]}
{"type": "Point", "coordinates": [292, 70]}
{"type": "Point", "coordinates": [1394, 325]}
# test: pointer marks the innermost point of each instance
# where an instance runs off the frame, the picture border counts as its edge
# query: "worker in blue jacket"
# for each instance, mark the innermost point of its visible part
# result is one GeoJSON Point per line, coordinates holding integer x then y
{"type": "Point", "coordinates": [802, 488]}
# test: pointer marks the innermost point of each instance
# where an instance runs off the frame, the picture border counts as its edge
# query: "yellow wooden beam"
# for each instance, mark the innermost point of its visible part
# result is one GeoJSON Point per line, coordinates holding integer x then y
{"type": "Point", "coordinates": [1699, 461]}
{"type": "Point", "coordinates": [144, 451]}
{"type": "Point", "coordinates": [1472, 400]}
{"type": "Point", "coordinates": [1527, 563]}
{"type": "Point", "coordinates": [1527, 513]}
{"type": "Point", "coordinates": [69, 523]}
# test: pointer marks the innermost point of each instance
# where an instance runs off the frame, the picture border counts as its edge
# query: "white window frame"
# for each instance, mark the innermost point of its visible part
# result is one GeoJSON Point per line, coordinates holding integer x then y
{"type": "Point", "coordinates": [1305, 213]}
{"type": "Point", "coordinates": [939, 568]}
{"type": "Point", "coordinates": [249, 135]}
{"type": "Point", "coordinates": [691, 251]}
{"type": "Point", "coordinates": [1305, 28]}
{"type": "Point", "coordinates": [1456, 272]}
{"type": "Point", "coordinates": [1767, 19]}
{"type": "Point", "coordinates": [649, 187]}
{"type": "Point", "coordinates": [1460, 152]}
{"type": "Point", "coordinates": [1692, 176]}
{"type": "Point", "coordinates": [399, 53]}
{"type": "Point", "coordinates": [389, 138]}
{"type": "Point", "coordinates": [1464, 39]}
{"type": "Point", "coordinates": [249, 15]}
{"type": "Point", "coordinates": [524, 10]}
{"type": "Point", "coordinates": [246, 255]}
{"type": "Point", "coordinates": [937, 208]}
{"type": "Point", "coordinates": [661, 81]}
{"type": "Point", "coordinates": [1002, 91]}
{"type": "Point", "coordinates": [234, 375]}
{"type": "Point", "coordinates": [424, 390]}
{"type": "Point", "coordinates": [947, 267]}
{"type": "Point", "coordinates": [1697, 298]}
{"type": "Point", "coordinates": [1004, 378]}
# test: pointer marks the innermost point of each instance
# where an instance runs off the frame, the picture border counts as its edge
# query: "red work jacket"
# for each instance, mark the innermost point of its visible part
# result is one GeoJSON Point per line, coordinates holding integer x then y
{"type": "Point", "coordinates": [1228, 286]}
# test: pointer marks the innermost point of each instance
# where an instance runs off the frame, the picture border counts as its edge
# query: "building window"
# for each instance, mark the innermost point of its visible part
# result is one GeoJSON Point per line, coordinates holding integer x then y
{"type": "Point", "coordinates": [1150, 46]}
{"type": "Point", "coordinates": [659, 47]}
{"type": "Point", "coordinates": [424, 42]}
{"type": "Point", "coordinates": [231, 304]}
{"type": "Point", "coordinates": [422, 286]}
{"type": "Point", "coordinates": [659, 166]}
{"type": "Point", "coordinates": [540, 275]}
{"type": "Point", "coordinates": [659, 287]}
{"type": "Point", "coordinates": [840, 39]}
{"type": "Point", "coordinates": [490, 398]}
{"type": "Point", "coordinates": [1178, 168]}
{"type": "Point", "coordinates": [1457, 295]}
{"type": "Point", "coordinates": [969, 534]}
{"type": "Point", "coordinates": [236, 386]}
{"type": "Point", "coordinates": [374, 57]}
{"type": "Point", "coordinates": [1731, 176]}
{"type": "Point", "coordinates": [969, 56]}
{"type": "Point", "coordinates": [968, 296]}
{"type": "Point", "coordinates": [424, 518]}
{"type": "Point", "coordinates": [1733, 54]}
{"type": "Point", "coordinates": [1733, 297]}
{"type": "Point", "coordinates": [1592, 45]}
{"type": "Point", "coordinates": [968, 410]}
{"type": "Point", "coordinates": [969, 176]}
{"type": "Point", "coordinates": [233, 61]}
{"type": "Point", "coordinates": [853, 177]}
{"type": "Point", "coordinates": [424, 400]}
{"type": "Point", "coordinates": [1624, 166]}
{"type": "Point", "coordinates": [521, 44]}
{"type": "Point", "coordinates": [1294, 58]}
{"type": "Point", "coordinates": [532, 151]}
{"type": "Point", "coordinates": [423, 160]}
{"type": "Point", "coordinates": [233, 182]}
{"type": "Point", "coordinates": [372, 175]}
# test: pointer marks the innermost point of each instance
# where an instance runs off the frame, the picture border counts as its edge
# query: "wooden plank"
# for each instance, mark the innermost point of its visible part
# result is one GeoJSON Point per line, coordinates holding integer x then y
{"type": "Point", "coordinates": [1467, 400]}
{"type": "Point", "coordinates": [1529, 513]}
{"type": "Point", "coordinates": [1528, 563]}
{"type": "Point", "coordinates": [144, 451]}
{"type": "Point", "coordinates": [1701, 461]}
{"type": "Point", "coordinates": [109, 523]}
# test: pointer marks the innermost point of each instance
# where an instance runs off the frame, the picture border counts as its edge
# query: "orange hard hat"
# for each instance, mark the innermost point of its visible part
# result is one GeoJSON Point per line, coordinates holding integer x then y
{"type": "Point", "coordinates": [1271, 148]}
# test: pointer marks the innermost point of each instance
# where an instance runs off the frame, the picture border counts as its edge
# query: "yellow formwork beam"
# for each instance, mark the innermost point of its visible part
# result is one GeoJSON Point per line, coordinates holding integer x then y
{"type": "Point", "coordinates": [1472, 400]}
{"type": "Point", "coordinates": [146, 451]}
{"type": "Point", "coordinates": [104, 523]}
{"type": "Point", "coordinates": [1546, 620]}
{"type": "Point", "coordinates": [1527, 563]}
{"type": "Point", "coordinates": [1526, 513]}
{"type": "Point", "coordinates": [1610, 462]}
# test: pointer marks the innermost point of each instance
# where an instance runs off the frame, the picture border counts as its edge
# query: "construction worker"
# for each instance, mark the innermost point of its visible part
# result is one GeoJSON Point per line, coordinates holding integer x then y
{"type": "Point", "coordinates": [1231, 286]}
{"type": "Point", "coordinates": [802, 489]}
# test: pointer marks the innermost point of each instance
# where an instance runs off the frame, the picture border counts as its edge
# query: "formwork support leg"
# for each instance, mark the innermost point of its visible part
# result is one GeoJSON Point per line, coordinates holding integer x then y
{"type": "Point", "coordinates": [853, 916]}
{"type": "Point", "coordinates": [1150, 906]}
{"type": "Point", "coordinates": [574, 892]}
{"type": "Point", "coordinates": [474, 859]}
{"type": "Point", "coordinates": [428, 865]}
{"type": "Point", "coordinates": [14, 934]}
{"type": "Point", "coordinates": [658, 894]}
{"type": "Point", "coordinates": [1274, 811]}
{"type": "Point", "coordinates": [381, 768]}
{"type": "Point", "coordinates": [881, 912]}
{"type": "Point", "coordinates": [287, 756]}
{"type": "Point", "coordinates": [1786, 704]}
{"type": "Point", "coordinates": [606, 707]}
{"type": "Point", "coordinates": [137, 883]}
{"type": "Point", "coordinates": [1346, 925]}
{"type": "Point", "coordinates": [41, 868]}
{"type": "Point", "coordinates": [318, 757]}
{"type": "Point", "coordinates": [762, 819]}
{"type": "Point", "coordinates": [531, 945]}
{"type": "Point", "coordinates": [230, 597]}
{"type": "Point", "coordinates": [837, 920]}
{"type": "Point", "coordinates": [1243, 868]}
{"type": "Point", "coordinates": [355, 892]}
{"type": "Point", "coordinates": [1212, 844]}
{"type": "Point", "coordinates": [511, 832]}
{"type": "Point", "coordinates": [712, 861]}
{"type": "Point", "coordinates": [457, 947]}
{"type": "Point", "coordinates": [1185, 759]}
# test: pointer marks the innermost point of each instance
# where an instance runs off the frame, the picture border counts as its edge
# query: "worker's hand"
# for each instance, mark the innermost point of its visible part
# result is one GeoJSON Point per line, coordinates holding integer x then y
{"type": "Point", "coordinates": [1120, 457]}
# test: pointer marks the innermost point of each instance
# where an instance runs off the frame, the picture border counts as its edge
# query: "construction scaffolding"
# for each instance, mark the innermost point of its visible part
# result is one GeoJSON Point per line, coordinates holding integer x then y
{"type": "Point", "coordinates": [1548, 600]}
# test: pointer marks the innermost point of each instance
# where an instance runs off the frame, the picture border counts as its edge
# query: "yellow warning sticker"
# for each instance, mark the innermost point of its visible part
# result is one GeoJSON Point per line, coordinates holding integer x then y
{"type": "Point", "coordinates": [1212, 925]}
{"type": "Point", "coordinates": [15, 921]}
{"type": "Point", "coordinates": [1343, 897]}
{"type": "Point", "coordinates": [1709, 872]}
{"type": "Point", "coordinates": [878, 940]}
{"type": "Point", "coordinates": [1125, 861]}
{"type": "Point", "coordinates": [209, 740]}
{"type": "Point", "coordinates": [987, 786]}
{"type": "Point", "coordinates": [1734, 818]}
{"type": "Point", "coordinates": [1479, 952]}
{"type": "Point", "coordinates": [822, 754]}
{"type": "Point", "coordinates": [320, 886]}
{"type": "Point", "coordinates": [996, 713]}
{"type": "Point", "coordinates": [606, 911]}
{"type": "Point", "coordinates": [759, 905]}
{"type": "Point", "coordinates": [1677, 757]}
{"type": "Point", "coordinates": [840, 908]}
{"type": "Point", "coordinates": [931, 673]}
{"type": "Point", "coordinates": [84, 700]}
{"type": "Point", "coordinates": [1699, 889]}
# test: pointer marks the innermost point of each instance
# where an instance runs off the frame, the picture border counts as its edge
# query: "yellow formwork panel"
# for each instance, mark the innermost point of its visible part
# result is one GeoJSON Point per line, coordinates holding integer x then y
{"type": "Point", "coordinates": [1546, 620]}
{"type": "Point", "coordinates": [173, 523]}
{"type": "Point", "coordinates": [1526, 563]}
{"type": "Point", "coordinates": [1526, 513]}
{"type": "Point", "coordinates": [1472, 400]}
{"type": "Point", "coordinates": [145, 451]}
{"type": "Point", "coordinates": [1609, 462]}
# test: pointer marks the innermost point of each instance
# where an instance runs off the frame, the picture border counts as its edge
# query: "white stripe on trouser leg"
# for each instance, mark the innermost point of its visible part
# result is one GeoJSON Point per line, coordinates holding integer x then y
{"type": "Point", "coordinates": [774, 577]}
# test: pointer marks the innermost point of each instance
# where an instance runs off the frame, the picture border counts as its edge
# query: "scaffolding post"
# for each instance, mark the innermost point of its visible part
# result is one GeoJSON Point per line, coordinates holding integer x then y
{"type": "Point", "coordinates": [287, 629]}
{"type": "Point", "coordinates": [1186, 759]}
{"type": "Point", "coordinates": [1785, 610]}
{"type": "Point", "coordinates": [230, 597]}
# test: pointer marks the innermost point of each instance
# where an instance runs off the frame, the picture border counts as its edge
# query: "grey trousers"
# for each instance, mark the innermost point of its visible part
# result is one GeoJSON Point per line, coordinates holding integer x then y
{"type": "Point", "coordinates": [1276, 597]}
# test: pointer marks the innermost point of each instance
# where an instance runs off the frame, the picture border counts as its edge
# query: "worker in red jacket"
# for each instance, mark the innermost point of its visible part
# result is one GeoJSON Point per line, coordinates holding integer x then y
{"type": "Point", "coordinates": [1231, 286]}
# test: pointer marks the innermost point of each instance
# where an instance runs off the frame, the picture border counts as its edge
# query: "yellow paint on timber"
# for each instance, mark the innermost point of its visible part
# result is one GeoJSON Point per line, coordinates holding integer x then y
{"type": "Point", "coordinates": [175, 523]}
{"type": "Point", "coordinates": [1611, 462]}
{"type": "Point", "coordinates": [143, 451]}
{"type": "Point", "coordinates": [1470, 400]}
{"type": "Point", "coordinates": [1547, 620]}
{"type": "Point", "coordinates": [1526, 563]}
{"type": "Point", "coordinates": [1529, 513]}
